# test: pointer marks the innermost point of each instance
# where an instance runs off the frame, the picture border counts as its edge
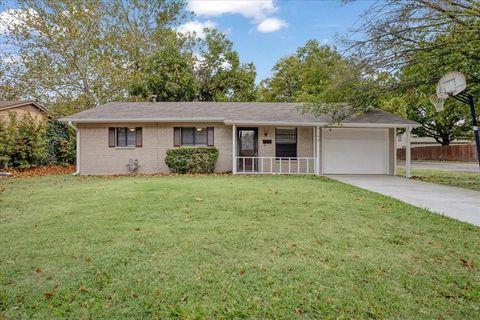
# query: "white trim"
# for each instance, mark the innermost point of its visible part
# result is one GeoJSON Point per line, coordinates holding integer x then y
{"type": "Point", "coordinates": [317, 149]}
{"type": "Point", "coordinates": [77, 149]}
{"type": "Point", "coordinates": [408, 154]}
{"type": "Point", "coordinates": [234, 149]}
{"type": "Point", "coordinates": [147, 120]}
{"type": "Point", "coordinates": [295, 169]}
{"type": "Point", "coordinates": [243, 123]}
{"type": "Point", "coordinates": [394, 152]}
{"type": "Point", "coordinates": [322, 124]}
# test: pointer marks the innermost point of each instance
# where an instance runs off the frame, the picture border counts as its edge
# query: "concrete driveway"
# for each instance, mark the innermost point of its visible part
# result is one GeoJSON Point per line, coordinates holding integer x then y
{"type": "Point", "coordinates": [458, 203]}
{"type": "Point", "coordinates": [443, 165]}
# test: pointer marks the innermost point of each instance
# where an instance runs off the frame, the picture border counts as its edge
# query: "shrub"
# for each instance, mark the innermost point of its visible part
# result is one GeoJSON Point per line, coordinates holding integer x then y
{"type": "Point", "coordinates": [60, 144]}
{"type": "Point", "coordinates": [192, 159]}
{"type": "Point", "coordinates": [22, 143]}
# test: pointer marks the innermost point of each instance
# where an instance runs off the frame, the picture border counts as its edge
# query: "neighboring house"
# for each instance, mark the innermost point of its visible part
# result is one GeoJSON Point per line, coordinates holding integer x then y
{"type": "Point", "coordinates": [417, 141]}
{"type": "Point", "coordinates": [250, 137]}
{"type": "Point", "coordinates": [21, 108]}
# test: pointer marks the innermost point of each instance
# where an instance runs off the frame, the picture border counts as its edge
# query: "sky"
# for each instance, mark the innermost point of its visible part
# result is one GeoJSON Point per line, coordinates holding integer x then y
{"type": "Point", "coordinates": [263, 31]}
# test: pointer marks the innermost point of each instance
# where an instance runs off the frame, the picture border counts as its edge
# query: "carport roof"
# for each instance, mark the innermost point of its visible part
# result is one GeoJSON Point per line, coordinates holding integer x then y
{"type": "Point", "coordinates": [241, 113]}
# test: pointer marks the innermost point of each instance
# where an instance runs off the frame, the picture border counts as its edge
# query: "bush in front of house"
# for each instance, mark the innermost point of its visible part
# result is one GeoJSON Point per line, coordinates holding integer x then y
{"type": "Point", "coordinates": [26, 143]}
{"type": "Point", "coordinates": [192, 159]}
{"type": "Point", "coordinates": [22, 143]}
{"type": "Point", "coordinates": [60, 144]}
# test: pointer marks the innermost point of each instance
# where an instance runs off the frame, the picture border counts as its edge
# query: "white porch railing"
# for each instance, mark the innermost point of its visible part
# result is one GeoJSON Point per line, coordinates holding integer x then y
{"type": "Point", "coordinates": [275, 165]}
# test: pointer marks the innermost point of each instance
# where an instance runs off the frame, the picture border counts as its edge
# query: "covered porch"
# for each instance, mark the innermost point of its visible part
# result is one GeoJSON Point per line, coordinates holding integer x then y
{"type": "Point", "coordinates": [315, 150]}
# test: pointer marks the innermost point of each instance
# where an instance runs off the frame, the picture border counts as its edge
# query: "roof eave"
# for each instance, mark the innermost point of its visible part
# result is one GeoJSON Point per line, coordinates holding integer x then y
{"type": "Point", "coordinates": [322, 124]}
{"type": "Point", "coordinates": [137, 120]}
{"type": "Point", "coordinates": [24, 103]}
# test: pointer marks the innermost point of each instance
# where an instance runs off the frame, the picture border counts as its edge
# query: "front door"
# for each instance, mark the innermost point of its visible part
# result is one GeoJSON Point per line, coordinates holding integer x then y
{"type": "Point", "coordinates": [247, 149]}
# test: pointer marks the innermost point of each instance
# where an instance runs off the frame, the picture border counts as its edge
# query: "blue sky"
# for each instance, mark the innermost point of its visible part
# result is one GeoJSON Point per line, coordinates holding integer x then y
{"type": "Point", "coordinates": [299, 22]}
{"type": "Point", "coordinates": [265, 30]}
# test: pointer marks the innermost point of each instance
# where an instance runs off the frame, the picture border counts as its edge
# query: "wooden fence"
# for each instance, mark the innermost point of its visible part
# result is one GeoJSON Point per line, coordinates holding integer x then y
{"type": "Point", "coordinates": [460, 152]}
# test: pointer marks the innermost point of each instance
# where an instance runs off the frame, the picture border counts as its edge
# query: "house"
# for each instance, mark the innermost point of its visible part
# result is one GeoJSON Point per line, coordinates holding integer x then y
{"type": "Point", "coordinates": [250, 137]}
{"type": "Point", "coordinates": [21, 108]}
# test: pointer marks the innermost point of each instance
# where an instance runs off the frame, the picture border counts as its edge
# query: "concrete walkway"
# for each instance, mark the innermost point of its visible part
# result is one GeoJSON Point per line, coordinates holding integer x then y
{"type": "Point", "coordinates": [443, 165]}
{"type": "Point", "coordinates": [458, 203]}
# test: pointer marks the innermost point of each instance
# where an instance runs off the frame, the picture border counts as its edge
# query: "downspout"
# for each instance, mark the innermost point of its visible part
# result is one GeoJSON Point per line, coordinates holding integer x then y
{"type": "Point", "coordinates": [77, 153]}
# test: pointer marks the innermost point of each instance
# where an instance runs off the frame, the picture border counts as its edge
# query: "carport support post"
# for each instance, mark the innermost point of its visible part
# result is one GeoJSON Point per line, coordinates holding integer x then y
{"type": "Point", "coordinates": [317, 151]}
{"type": "Point", "coordinates": [234, 149]}
{"type": "Point", "coordinates": [408, 154]}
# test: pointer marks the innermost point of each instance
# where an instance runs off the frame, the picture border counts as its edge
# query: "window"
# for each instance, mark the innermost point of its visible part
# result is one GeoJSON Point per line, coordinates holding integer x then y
{"type": "Point", "coordinates": [193, 136]}
{"type": "Point", "coordinates": [125, 137]}
{"type": "Point", "coordinates": [286, 143]}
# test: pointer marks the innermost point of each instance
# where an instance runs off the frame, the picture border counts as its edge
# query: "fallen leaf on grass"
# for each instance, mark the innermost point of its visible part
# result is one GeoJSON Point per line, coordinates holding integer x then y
{"type": "Point", "coordinates": [467, 264]}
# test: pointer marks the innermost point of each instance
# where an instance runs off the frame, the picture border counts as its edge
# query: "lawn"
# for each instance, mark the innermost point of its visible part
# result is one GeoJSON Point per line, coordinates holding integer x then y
{"type": "Point", "coordinates": [468, 180]}
{"type": "Point", "coordinates": [228, 247]}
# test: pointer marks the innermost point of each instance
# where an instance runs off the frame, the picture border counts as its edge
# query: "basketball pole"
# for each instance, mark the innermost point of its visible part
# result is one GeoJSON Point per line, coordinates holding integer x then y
{"type": "Point", "coordinates": [468, 99]}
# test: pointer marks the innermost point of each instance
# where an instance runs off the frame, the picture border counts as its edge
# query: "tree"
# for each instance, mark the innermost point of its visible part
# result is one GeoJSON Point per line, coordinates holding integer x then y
{"type": "Point", "coordinates": [391, 31]}
{"type": "Point", "coordinates": [415, 42]}
{"type": "Point", "coordinates": [315, 75]}
{"type": "Point", "coordinates": [169, 74]}
{"type": "Point", "coordinates": [220, 74]}
{"type": "Point", "coordinates": [86, 52]}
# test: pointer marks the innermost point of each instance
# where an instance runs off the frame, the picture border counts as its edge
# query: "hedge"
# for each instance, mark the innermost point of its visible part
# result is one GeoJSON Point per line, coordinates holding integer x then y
{"type": "Point", "coordinates": [192, 159]}
{"type": "Point", "coordinates": [26, 143]}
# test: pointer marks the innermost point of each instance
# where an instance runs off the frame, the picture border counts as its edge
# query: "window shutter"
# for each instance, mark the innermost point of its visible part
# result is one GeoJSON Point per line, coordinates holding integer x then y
{"type": "Point", "coordinates": [139, 137]}
{"type": "Point", "coordinates": [210, 136]}
{"type": "Point", "coordinates": [176, 136]}
{"type": "Point", "coordinates": [111, 137]}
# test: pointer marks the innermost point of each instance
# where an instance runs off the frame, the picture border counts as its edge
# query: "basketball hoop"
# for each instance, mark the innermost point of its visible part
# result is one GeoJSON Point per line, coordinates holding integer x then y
{"type": "Point", "coordinates": [438, 100]}
{"type": "Point", "coordinates": [449, 85]}
{"type": "Point", "coordinates": [453, 84]}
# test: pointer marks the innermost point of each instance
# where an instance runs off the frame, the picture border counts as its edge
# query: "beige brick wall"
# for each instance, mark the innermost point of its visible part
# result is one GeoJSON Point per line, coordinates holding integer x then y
{"type": "Point", "coordinates": [96, 158]}
{"type": "Point", "coordinates": [21, 112]}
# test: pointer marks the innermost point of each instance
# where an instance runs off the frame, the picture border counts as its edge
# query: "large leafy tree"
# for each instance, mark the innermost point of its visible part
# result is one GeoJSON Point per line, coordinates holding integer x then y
{"type": "Point", "coordinates": [168, 74]}
{"type": "Point", "coordinates": [221, 75]}
{"type": "Point", "coordinates": [415, 42]}
{"type": "Point", "coordinates": [78, 54]}
{"type": "Point", "coordinates": [316, 75]}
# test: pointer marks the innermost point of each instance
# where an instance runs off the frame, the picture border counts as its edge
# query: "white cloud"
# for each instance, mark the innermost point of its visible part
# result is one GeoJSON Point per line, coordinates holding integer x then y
{"type": "Point", "coordinates": [271, 25]}
{"type": "Point", "coordinates": [12, 18]}
{"type": "Point", "coordinates": [257, 10]}
{"type": "Point", "coordinates": [196, 27]}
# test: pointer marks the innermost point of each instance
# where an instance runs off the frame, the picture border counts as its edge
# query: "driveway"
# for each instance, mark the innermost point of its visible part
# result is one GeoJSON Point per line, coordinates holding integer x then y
{"type": "Point", "coordinates": [443, 165]}
{"type": "Point", "coordinates": [461, 204]}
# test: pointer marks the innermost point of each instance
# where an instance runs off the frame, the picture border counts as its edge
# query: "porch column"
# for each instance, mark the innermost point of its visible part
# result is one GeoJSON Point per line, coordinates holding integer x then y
{"type": "Point", "coordinates": [234, 149]}
{"type": "Point", "coordinates": [317, 151]}
{"type": "Point", "coordinates": [408, 154]}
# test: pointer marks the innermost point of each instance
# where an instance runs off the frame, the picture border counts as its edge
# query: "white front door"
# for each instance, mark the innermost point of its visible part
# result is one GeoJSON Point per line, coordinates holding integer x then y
{"type": "Point", "coordinates": [355, 151]}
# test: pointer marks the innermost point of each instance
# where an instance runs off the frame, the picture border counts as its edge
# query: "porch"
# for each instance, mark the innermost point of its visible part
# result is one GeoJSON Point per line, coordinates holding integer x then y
{"type": "Point", "coordinates": [314, 150]}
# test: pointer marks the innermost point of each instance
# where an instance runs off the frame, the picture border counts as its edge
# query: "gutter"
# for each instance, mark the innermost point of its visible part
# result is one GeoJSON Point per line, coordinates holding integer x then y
{"type": "Point", "coordinates": [148, 120]}
{"type": "Point", "coordinates": [77, 153]}
{"type": "Point", "coordinates": [321, 124]}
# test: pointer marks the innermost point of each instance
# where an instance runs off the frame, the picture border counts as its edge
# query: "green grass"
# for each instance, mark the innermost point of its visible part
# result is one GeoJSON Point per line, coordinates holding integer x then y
{"type": "Point", "coordinates": [468, 180]}
{"type": "Point", "coordinates": [228, 247]}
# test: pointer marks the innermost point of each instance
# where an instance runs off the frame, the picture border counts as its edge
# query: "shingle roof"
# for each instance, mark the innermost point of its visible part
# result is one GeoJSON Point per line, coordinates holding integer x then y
{"type": "Point", "coordinates": [7, 104]}
{"type": "Point", "coordinates": [228, 112]}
